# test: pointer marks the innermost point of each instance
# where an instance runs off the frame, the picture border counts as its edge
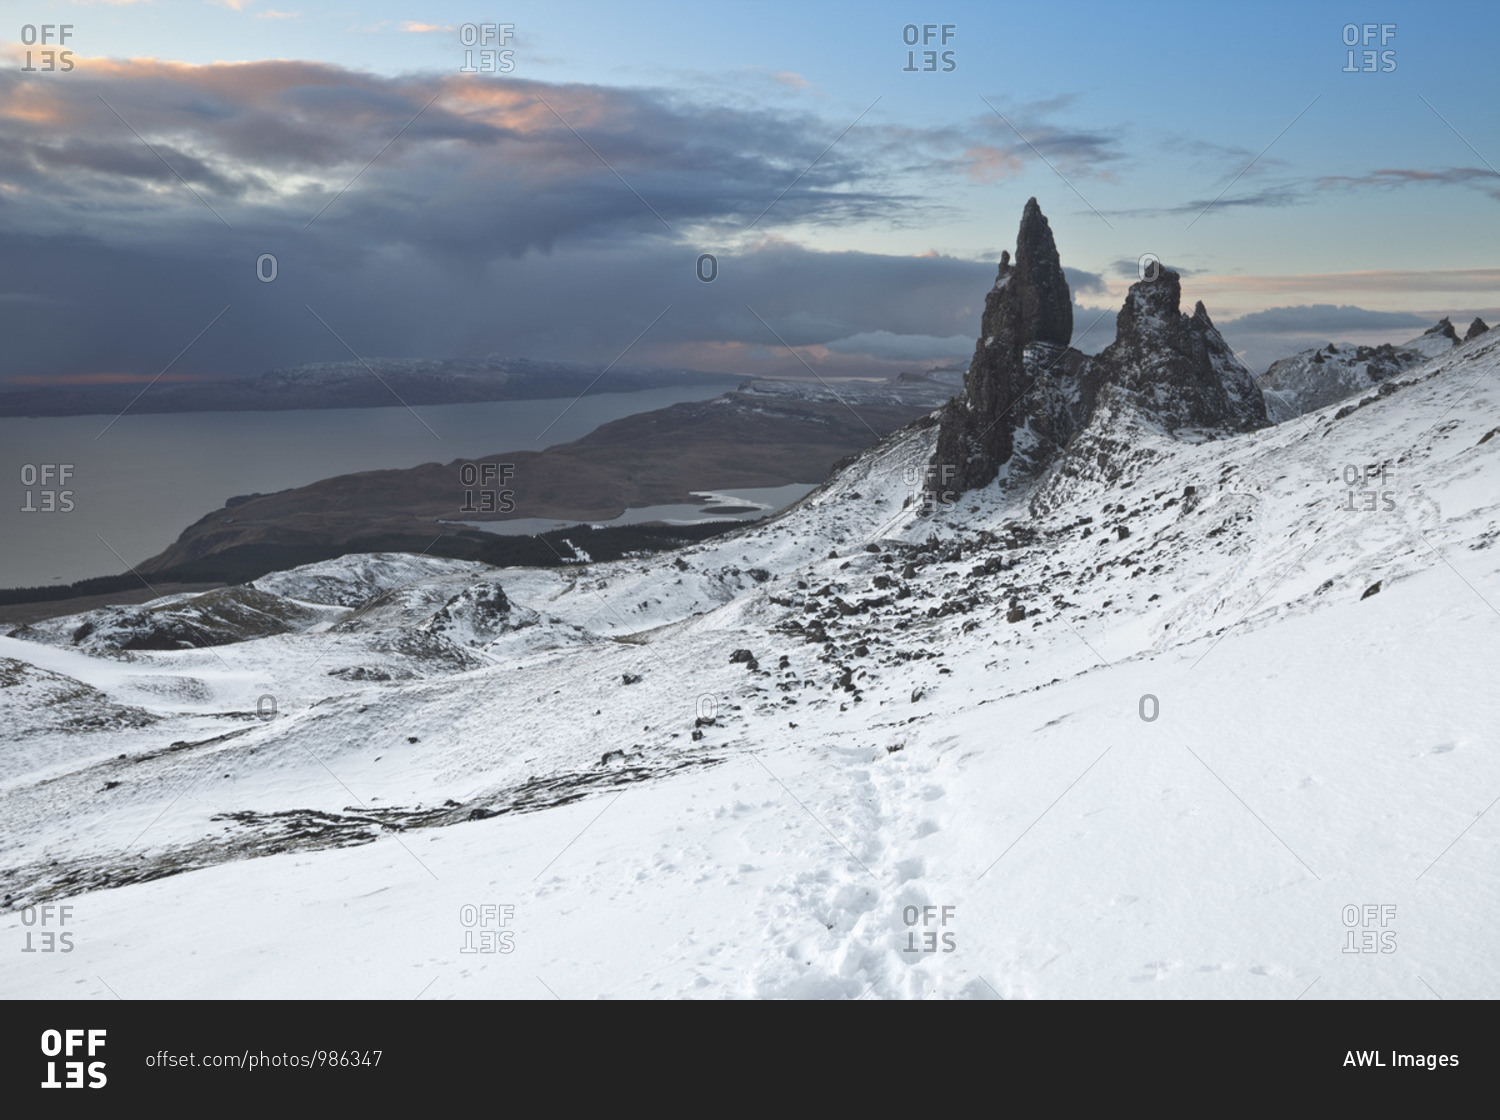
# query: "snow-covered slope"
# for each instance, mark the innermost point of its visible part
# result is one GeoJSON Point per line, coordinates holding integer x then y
{"type": "Point", "coordinates": [1142, 727]}
{"type": "Point", "coordinates": [1312, 379]}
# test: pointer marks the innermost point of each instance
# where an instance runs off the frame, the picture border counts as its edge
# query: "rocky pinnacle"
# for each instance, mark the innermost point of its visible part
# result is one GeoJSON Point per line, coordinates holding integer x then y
{"type": "Point", "coordinates": [1027, 393]}
{"type": "Point", "coordinates": [1030, 303]}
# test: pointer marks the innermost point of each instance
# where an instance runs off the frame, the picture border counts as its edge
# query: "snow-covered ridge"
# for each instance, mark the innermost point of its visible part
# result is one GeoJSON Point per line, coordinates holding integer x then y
{"type": "Point", "coordinates": [807, 726]}
{"type": "Point", "coordinates": [1314, 378]}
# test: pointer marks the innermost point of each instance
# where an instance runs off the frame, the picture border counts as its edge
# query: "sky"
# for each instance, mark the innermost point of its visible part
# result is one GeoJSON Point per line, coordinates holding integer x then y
{"type": "Point", "coordinates": [854, 202]}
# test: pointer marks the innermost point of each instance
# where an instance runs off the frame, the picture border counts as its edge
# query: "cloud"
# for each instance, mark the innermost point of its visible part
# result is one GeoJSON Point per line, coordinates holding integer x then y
{"type": "Point", "coordinates": [1093, 328]}
{"type": "Point", "coordinates": [1273, 196]}
{"type": "Point", "coordinates": [1325, 318]}
{"type": "Point", "coordinates": [1402, 176]}
{"type": "Point", "coordinates": [788, 78]}
{"type": "Point", "coordinates": [432, 215]}
{"type": "Point", "coordinates": [904, 347]}
{"type": "Point", "coordinates": [1129, 268]}
{"type": "Point", "coordinates": [1081, 281]}
{"type": "Point", "coordinates": [1262, 337]}
{"type": "Point", "coordinates": [1364, 281]}
{"type": "Point", "coordinates": [412, 27]}
{"type": "Point", "coordinates": [1292, 192]}
{"type": "Point", "coordinates": [1026, 133]}
{"type": "Point", "coordinates": [987, 163]}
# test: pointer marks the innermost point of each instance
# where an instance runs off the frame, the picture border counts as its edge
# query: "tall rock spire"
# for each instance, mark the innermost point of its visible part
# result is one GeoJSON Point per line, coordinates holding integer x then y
{"type": "Point", "coordinates": [1029, 304]}
{"type": "Point", "coordinates": [1028, 394]}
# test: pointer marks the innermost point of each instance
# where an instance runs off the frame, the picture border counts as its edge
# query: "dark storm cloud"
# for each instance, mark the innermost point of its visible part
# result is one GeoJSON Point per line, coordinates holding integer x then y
{"type": "Point", "coordinates": [1325, 318]}
{"type": "Point", "coordinates": [1081, 281]}
{"type": "Point", "coordinates": [1129, 268]}
{"type": "Point", "coordinates": [1262, 337]}
{"type": "Point", "coordinates": [444, 216]}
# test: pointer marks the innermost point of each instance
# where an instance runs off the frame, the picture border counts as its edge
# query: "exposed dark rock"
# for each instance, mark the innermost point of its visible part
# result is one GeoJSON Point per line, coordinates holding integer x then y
{"type": "Point", "coordinates": [1027, 393]}
{"type": "Point", "coordinates": [1175, 368]}
{"type": "Point", "coordinates": [1476, 328]}
{"type": "Point", "coordinates": [1374, 588]}
{"type": "Point", "coordinates": [1029, 305]}
{"type": "Point", "coordinates": [1444, 327]}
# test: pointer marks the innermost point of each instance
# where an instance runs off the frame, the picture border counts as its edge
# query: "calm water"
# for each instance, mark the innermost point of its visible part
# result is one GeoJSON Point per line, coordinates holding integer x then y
{"type": "Point", "coordinates": [755, 502]}
{"type": "Point", "coordinates": [145, 479]}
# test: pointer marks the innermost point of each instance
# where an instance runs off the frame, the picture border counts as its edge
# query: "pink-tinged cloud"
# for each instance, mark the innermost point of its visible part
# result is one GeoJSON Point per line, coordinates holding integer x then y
{"type": "Point", "coordinates": [986, 164]}
{"type": "Point", "coordinates": [412, 27]}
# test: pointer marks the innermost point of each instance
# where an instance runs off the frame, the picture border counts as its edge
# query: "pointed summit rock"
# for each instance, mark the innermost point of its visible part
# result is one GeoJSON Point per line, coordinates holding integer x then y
{"type": "Point", "coordinates": [1175, 369]}
{"type": "Point", "coordinates": [1443, 327]}
{"type": "Point", "coordinates": [1476, 328]}
{"type": "Point", "coordinates": [1029, 308]}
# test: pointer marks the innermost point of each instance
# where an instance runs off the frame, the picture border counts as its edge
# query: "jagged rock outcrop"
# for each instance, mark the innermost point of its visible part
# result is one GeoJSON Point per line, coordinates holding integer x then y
{"type": "Point", "coordinates": [1028, 311]}
{"type": "Point", "coordinates": [1175, 369]}
{"type": "Point", "coordinates": [1028, 393]}
{"type": "Point", "coordinates": [1312, 379]}
{"type": "Point", "coordinates": [1476, 328]}
{"type": "Point", "coordinates": [1444, 327]}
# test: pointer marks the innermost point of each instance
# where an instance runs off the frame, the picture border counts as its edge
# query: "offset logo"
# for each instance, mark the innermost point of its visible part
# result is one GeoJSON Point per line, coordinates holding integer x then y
{"type": "Point", "coordinates": [492, 59]}
{"type": "Point", "coordinates": [66, 1044]}
{"type": "Point", "coordinates": [492, 478]}
{"type": "Point", "coordinates": [46, 60]}
{"type": "Point", "coordinates": [45, 939]}
{"type": "Point", "coordinates": [929, 61]}
{"type": "Point", "coordinates": [1370, 60]}
{"type": "Point", "coordinates": [488, 920]}
{"type": "Point", "coordinates": [927, 941]}
{"type": "Point", "coordinates": [50, 497]}
{"type": "Point", "coordinates": [1361, 921]}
